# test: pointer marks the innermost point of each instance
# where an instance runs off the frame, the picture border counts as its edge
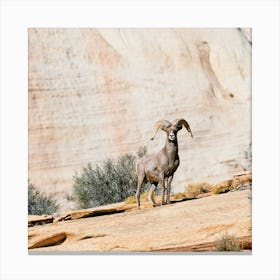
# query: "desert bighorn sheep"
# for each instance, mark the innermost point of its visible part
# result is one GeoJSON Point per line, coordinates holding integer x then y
{"type": "Point", "coordinates": [156, 168]}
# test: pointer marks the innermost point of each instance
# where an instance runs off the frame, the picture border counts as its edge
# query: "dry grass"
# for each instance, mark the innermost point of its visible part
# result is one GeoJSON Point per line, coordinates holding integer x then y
{"type": "Point", "coordinates": [227, 243]}
{"type": "Point", "coordinates": [244, 179]}
{"type": "Point", "coordinates": [178, 196]}
{"type": "Point", "coordinates": [130, 200]}
{"type": "Point", "coordinates": [143, 198]}
{"type": "Point", "coordinates": [193, 190]}
{"type": "Point", "coordinates": [232, 184]}
{"type": "Point", "coordinates": [223, 187]}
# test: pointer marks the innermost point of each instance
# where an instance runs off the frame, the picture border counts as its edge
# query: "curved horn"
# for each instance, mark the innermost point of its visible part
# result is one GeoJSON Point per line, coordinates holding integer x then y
{"type": "Point", "coordinates": [163, 124]}
{"type": "Point", "coordinates": [181, 122]}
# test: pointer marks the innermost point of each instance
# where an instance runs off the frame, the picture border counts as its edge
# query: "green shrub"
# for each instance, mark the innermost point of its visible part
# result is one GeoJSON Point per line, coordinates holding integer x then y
{"type": "Point", "coordinates": [40, 203]}
{"type": "Point", "coordinates": [110, 182]}
{"type": "Point", "coordinates": [228, 243]}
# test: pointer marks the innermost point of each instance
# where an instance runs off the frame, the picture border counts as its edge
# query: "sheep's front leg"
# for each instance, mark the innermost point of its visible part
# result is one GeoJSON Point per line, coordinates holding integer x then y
{"type": "Point", "coordinates": [169, 180]}
{"type": "Point", "coordinates": [139, 185]}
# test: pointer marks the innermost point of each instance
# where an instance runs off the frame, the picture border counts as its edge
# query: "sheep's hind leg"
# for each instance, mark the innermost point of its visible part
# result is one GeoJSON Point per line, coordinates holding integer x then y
{"type": "Point", "coordinates": [151, 193]}
{"type": "Point", "coordinates": [169, 180]}
{"type": "Point", "coordinates": [155, 177]}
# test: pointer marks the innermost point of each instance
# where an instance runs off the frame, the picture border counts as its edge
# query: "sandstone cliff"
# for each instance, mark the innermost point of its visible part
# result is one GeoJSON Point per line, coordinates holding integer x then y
{"type": "Point", "coordinates": [95, 93]}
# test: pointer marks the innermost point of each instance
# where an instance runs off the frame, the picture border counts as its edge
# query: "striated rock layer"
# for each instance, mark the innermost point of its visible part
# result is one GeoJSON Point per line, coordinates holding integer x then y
{"type": "Point", "coordinates": [96, 93]}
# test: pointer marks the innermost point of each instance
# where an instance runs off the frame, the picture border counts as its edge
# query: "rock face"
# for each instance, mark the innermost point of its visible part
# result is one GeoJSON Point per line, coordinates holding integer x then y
{"type": "Point", "coordinates": [193, 225]}
{"type": "Point", "coordinates": [96, 93]}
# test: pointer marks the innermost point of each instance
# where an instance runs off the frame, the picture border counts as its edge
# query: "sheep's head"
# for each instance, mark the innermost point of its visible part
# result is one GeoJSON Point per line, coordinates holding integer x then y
{"type": "Point", "coordinates": [171, 128]}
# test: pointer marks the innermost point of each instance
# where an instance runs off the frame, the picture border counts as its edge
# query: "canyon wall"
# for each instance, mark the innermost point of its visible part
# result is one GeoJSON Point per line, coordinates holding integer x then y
{"type": "Point", "coordinates": [96, 93]}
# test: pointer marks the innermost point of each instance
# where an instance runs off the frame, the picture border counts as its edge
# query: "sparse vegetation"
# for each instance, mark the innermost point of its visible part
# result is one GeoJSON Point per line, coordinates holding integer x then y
{"type": "Point", "coordinates": [40, 203]}
{"type": "Point", "coordinates": [130, 200]}
{"type": "Point", "coordinates": [232, 184]}
{"type": "Point", "coordinates": [228, 243]}
{"type": "Point", "coordinates": [116, 180]}
{"type": "Point", "coordinates": [223, 187]}
{"type": "Point", "coordinates": [193, 190]}
{"type": "Point", "coordinates": [242, 180]}
{"type": "Point", "coordinates": [178, 195]}
{"type": "Point", "coordinates": [143, 197]}
{"type": "Point", "coordinates": [110, 182]}
{"type": "Point", "coordinates": [145, 194]}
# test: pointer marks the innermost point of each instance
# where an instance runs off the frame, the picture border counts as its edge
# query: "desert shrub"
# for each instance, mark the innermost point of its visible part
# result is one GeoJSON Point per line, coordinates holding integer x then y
{"type": "Point", "coordinates": [228, 243]}
{"type": "Point", "coordinates": [110, 182]}
{"type": "Point", "coordinates": [193, 190]}
{"type": "Point", "coordinates": [223, 187]}
{"type": "Point", "coordinates": [40, 203]}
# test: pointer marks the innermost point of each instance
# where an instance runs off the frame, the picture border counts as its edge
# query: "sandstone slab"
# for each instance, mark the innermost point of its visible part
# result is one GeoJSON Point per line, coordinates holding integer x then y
{"type": "Point", "coordinates": [192, 225]}
{"type": "Point", "coordinates": [39, 219]}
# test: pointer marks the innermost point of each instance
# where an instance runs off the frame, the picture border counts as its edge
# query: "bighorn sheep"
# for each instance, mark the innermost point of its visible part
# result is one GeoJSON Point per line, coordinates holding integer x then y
{"type": "Point", "coordinates": [156, 168]}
